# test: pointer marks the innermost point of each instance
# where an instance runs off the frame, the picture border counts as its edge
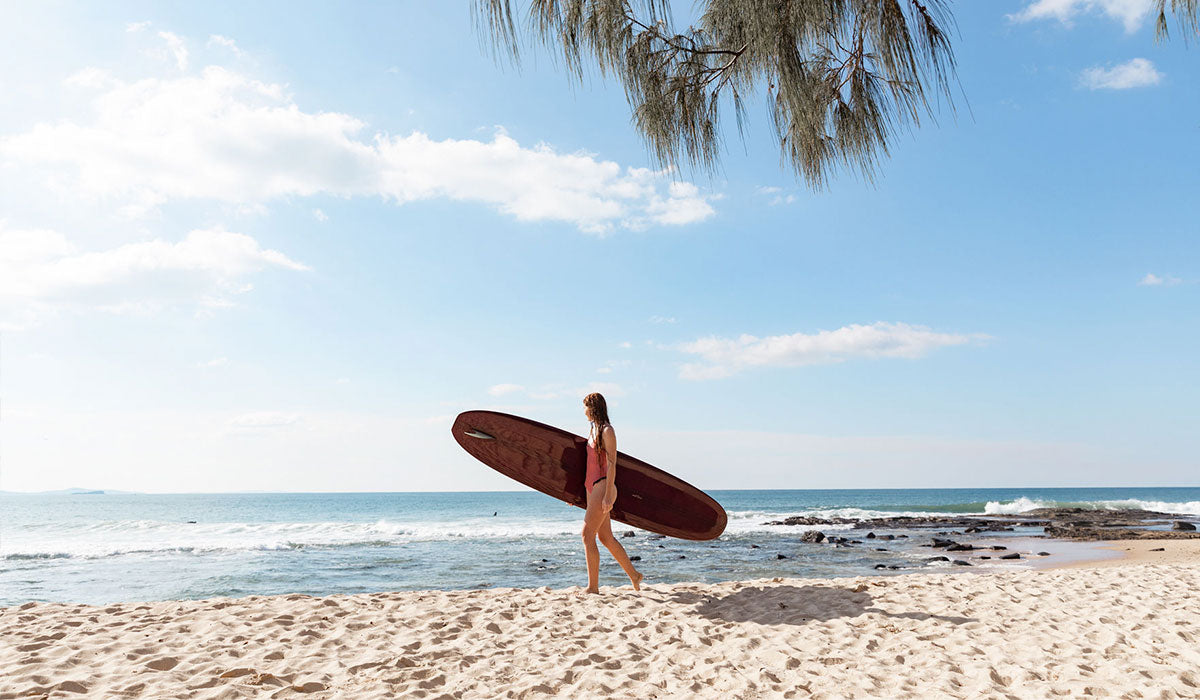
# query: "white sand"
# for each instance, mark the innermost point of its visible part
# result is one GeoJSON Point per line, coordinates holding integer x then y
{"type": "Point", "coordinates": [1131, 631]}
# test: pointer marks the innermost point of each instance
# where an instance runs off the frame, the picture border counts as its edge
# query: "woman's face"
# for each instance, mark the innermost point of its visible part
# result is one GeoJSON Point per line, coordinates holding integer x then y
{"type": "Point", "coordinates": [587, 411]}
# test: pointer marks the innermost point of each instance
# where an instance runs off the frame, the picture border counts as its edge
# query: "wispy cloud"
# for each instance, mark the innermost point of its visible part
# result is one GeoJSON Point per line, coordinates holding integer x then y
{"type": "Point", "coordinates": [43, 269]}
{"type": "Point", "coordinates": [1130, 13]}
{"type": "Point", "coordinates": [549, 392]}
{"type": "Point", "coordinates": [215, 362]}
{"type": "Point", "coordinates": [662, 319]}
{"type": "Point", "coordinates": [1153, 280]}
{"type": "Point", "coordinates": [176, 49]}
{"type": "Point", "coordinates": [225, 43]}
{"type": "Point", "coordinates": [1135, 73]}
{"type": "Point", "coordinates": [776, 195]}
{"type": "Point", "coordinates": [724, 357]}
{"type": "Point", "coordinates": [263, 420]}
{"type": "Point", "coordinates": [218, 134]}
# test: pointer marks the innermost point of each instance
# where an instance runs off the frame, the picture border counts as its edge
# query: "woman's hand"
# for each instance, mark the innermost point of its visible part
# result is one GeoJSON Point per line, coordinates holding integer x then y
{"type": "Point", "coordinates": [610, 497]}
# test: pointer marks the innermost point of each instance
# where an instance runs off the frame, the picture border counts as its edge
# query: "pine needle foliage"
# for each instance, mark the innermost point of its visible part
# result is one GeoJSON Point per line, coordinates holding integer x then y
{"type": "Point", "coordinates": [843, 78]}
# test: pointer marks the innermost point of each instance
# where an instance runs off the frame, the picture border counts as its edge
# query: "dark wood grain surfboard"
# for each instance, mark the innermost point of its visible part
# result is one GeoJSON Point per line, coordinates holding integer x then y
{"type": "Point", "coordinates": [553, 461]}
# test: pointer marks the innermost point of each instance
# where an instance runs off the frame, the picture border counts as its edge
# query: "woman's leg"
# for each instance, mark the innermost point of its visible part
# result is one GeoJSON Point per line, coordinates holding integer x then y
{"type": "Point", "coordinates": [614, 547]}
{"type": "Point", "coordinates": [592, 520]}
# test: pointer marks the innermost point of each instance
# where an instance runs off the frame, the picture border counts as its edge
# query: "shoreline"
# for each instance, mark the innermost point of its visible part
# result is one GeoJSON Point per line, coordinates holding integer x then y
{"type": "Point", "coordinates": [1070, 631]}
{"type": "Point", "coordinates": [1141, 551]}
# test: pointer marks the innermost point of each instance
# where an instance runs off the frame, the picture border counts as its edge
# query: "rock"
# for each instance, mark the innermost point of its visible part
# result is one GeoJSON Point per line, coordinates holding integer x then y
{"type": "Point", "coordinates": [854, 542]}
{"type": "Point", "coordinates": [893, 567]}
{"type": "Point", "coordinates": [1043, 554]}
{"type": "Point", "coordinates": [938, 559]}
{"type": "Point", "coordinates": [1159, 549]}
{"type": "Point", "coordinates": [998, 548]}
{"type": "Point", "coordinates": [635, 558]}
{"type": "Point", "coordinates": [956, 547]}
{"type": "Point", "coordinates": [657, 537]}
{"type": "Point", "coordinates": [898, 536]}
{"type": "Point", "coordinates": [870, 535]}
{"type": "Point", "coordinates": [942, 543]}
{"type": "Point", "coordinates": [1013, 555]}
{"type": "Point", "coordinates": [812, 536]}
{"type": "Point", "coordinates": [805, 520]}
{"type": "Point", "coordinates": [960, 562]}
{"type": "Point", "coordinates": [985, 557]}
{"type": "Point", "coordinates": [781, 556]}
{"type": "Point", "coordinates": [880, 549]}
{"type": "Point", "coordinates": [753, 546]}
{"type": "Point", "coordinates": [628, 533]}
{"type": "Point", "coordinates": [683, 556]}
{"type": "Point", "coordinates": [1181, 525]}
{"type": "Point", "coordinates": [881, 566]}
{"type": "Point", "coordinates": [662, 546]}
{"type": "Point", "coordinates": [887, 537]}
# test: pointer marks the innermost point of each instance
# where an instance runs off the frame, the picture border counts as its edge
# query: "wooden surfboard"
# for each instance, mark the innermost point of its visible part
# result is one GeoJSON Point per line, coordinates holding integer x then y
{"type": "Point", "coordinates": [553, 461]}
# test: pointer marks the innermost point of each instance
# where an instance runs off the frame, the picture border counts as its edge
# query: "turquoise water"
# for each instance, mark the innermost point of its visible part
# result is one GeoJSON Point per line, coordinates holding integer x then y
{"type": "Point", "coordinates": [107, 548]}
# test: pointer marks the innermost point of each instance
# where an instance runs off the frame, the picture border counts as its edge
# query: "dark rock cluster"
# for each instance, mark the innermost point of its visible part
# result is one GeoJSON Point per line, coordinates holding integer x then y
{"type": "Point", "coordinates": [1065, 523]}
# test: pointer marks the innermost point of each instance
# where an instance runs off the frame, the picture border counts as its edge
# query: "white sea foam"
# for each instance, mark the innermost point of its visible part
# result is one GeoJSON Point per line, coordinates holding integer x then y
{"type": "Point", "coordinates": [1186, 508]}
{"type": "Point", "coordinates": [1020, 505]}
{"type": "Point", "coordinates": [1023, 504]}
{"type": "Point", "coordinates": [113, 537]}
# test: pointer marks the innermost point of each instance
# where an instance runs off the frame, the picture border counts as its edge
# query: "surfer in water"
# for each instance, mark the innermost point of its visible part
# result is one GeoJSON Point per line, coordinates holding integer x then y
{"type": "Point", "coordinates": [601, 485]}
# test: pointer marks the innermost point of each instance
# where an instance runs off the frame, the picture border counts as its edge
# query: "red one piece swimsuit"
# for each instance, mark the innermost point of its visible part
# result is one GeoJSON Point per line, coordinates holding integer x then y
{"type": "Point", "coordinates": [597, 467]}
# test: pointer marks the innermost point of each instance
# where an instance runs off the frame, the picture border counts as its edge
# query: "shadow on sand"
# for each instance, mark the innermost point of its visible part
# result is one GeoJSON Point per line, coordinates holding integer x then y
{"type": "Point", "coordinates": [793, 605]}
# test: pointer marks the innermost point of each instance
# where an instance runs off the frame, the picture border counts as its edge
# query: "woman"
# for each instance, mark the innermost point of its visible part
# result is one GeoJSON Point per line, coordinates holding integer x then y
{"type": "Point", "coordinates": [601, 484]}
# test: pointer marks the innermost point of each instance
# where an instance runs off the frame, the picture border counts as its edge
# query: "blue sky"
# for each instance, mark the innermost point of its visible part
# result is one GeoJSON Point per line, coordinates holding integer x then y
{"type": "Point", "coordinates": [280, 246]}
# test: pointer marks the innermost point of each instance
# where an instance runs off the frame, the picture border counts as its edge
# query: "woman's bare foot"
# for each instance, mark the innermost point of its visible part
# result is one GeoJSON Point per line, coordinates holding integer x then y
{"type": "Point", "coordinates": [591, 590]}
{"type": "Point", "coordinates": [636, 580]}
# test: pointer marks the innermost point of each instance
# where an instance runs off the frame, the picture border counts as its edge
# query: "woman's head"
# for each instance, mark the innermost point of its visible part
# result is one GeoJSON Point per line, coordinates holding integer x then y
{"type": "Point", "coordinates": [595, 408]}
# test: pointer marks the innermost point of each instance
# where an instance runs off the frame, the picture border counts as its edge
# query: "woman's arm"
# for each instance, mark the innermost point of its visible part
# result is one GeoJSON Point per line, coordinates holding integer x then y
{"type": "Point", "coordinates": [609, 436]}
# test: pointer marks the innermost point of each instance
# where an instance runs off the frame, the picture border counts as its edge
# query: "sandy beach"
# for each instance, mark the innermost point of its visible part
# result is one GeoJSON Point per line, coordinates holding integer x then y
{"type": "Point", "coordinates": [1124, 629]}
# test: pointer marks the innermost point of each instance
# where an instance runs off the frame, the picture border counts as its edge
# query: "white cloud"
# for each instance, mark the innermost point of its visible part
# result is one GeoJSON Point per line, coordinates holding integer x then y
{"type": "Point", "coordinates": [215, 362]}
{"type": "Point", "coordinates": [727, 356]}
{"type": "Point", "coordinates": [41, 269]}
{"type": "Point", "coordinates": [550, 392]}
{"type": "Point", "coordinates": [662, 319]}
{"type": "Point", "coordinates": [320, 215]}
{"type": "Point", "coordinates": [625, 345]}
{"type": "Point", "coordinates": [1130, 13]}
{"type": "Point", "coordinates": [135, 27]}
{"type": "Point", "coordinates": [220, 135]}
{"type": "Point", "coordinates": [777, 195]}
{"type": "Point", "coordinates": [225, 43]}
{"type": "Point", "coordinates": [263, 420]}
{"type": "Point", "coordinates": [1137, 72]}
{"type": "Point", "coordinates": [176, 48]}
{"type": "Point", "coordinates": [1153, 280]}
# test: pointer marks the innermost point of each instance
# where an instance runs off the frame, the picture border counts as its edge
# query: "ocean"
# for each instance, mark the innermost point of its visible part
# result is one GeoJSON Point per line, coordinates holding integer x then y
{"type": "Point", "coordinates": [107, 548]}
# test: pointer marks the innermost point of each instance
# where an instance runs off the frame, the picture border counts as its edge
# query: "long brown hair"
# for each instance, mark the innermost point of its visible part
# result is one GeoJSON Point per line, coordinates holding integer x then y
{"type": "Point", "coordinates": [598, 408]}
